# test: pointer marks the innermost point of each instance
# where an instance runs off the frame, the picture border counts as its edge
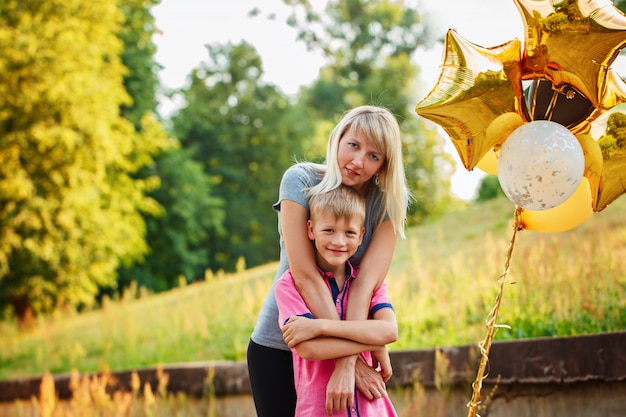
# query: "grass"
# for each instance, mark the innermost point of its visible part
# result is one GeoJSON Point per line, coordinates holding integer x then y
{"type": "Point", "coordinates": [443, 282]}
{"type": "Point", "coordinates": [91, 396]}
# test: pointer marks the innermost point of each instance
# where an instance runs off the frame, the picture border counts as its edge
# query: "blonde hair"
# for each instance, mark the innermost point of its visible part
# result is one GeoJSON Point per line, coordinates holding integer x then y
{"type": "Point", "coordinates": [381, 129]}
{"type": "Point", "coordinates": [342, 202]}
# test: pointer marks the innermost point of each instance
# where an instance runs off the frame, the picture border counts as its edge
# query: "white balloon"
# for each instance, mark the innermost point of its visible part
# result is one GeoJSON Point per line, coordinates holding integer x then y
{"type": "Point", "coordinates": [540, 165]}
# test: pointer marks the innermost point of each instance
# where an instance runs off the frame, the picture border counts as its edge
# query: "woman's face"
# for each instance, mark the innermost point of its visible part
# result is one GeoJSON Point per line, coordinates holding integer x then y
{"type": "Point", "coordinates": [358, 160]}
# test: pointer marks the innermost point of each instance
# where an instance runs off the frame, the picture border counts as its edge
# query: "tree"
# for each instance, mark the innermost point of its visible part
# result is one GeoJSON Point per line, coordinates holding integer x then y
{"type": "Point", "coordinates": [70, 209]}
{"type": "Point", "coordinates": [369, 47]}
{"type": "Point", "coordinates": [613, 142]}
{"type": "Point", "coordinates": [140, 78]}
{"type": "Point", "coordinates": [189, 213]}
{"type": "Point", "coordinates": [489, 188]}
{"type": "Point", "coordinates": [245, 133]}
{"type": "Point", "coordinates": [177, 237]}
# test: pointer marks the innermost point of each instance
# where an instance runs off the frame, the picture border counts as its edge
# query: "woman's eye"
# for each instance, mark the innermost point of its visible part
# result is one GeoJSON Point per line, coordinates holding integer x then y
{"type": "Point", "coordinates": [375, 157]}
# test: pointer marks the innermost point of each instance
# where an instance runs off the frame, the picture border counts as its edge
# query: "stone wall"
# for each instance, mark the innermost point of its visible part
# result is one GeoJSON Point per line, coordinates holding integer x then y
{"type": "Point", "coordinates": [572, 376]}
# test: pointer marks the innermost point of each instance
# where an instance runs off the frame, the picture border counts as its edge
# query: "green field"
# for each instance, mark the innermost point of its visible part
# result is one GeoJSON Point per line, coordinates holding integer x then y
{"type": "Point", "coordinates": [443, 282]}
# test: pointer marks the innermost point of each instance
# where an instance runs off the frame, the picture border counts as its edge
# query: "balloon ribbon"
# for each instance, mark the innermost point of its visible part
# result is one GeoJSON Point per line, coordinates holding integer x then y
{"type": "Point", "coordinates": [485, 345]}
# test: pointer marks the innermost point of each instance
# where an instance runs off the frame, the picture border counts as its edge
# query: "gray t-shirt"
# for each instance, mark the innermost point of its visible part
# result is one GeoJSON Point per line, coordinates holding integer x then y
{"type": "Point", "coordinates": [293, 187]}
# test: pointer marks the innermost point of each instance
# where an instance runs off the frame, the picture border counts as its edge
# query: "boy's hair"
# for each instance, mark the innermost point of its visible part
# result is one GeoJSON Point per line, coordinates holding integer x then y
{"type": "Point", "coordinates": [342, 202]}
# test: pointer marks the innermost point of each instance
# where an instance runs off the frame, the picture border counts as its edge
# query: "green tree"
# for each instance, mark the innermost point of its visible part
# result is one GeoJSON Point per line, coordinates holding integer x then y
{"type": "Point", "coordinates": [369, 46]}
{"type": "Point", "coordinates": [177, 238]}
{"type": "Point", "coordinates": [245, 133]}
{"type": "Point", "coordinates": [613, 141]}
{"type": "Point", "coordinates": [70, 210]}
{"type": "Point", "coordinates": [489, 188]}
{"type": "Point", "coordinates": [189, 214]}
{"type": "Point", "coordinates": [140, 79]}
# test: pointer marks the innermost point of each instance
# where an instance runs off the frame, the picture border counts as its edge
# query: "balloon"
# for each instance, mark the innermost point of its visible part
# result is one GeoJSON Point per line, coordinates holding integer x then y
{"type": "Point", "coordinates": [540, 166]}
{"type": "Point", "coordinates": [475, 86]}
{"type": "Point", "coordinates": [573, 212]}
{"type": "Point", "coordinates": [489, 162]}
{"type": "Point", "coordinates": [593, 165]}
{"type": "Point", "coordinates": [571, 42]}
{"type": "Point", "coordinates": [569, 46]}
{"type": "Point", "coordinates": [566, 106]}
{"type": "Point", "coordinates": [497, 132]}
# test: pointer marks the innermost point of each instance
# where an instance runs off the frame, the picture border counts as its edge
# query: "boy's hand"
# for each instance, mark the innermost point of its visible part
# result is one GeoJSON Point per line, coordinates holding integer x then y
{"type": "Point", "coordinates": [299, 329]}
{"type": "Point", "coordinates": [340, 388]}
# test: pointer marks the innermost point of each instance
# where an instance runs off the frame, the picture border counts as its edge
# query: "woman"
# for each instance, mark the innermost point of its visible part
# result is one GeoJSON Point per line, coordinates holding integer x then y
{"type": "Point", "coordinates": [364, 152]}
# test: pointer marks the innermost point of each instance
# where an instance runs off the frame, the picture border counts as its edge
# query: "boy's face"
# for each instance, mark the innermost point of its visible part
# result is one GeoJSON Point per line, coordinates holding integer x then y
{"type": "Point", "coordinates": [336, 239]}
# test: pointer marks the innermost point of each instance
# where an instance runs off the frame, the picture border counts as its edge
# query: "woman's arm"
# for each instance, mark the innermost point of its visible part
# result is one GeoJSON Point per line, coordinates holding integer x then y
{"type": "Point", "coordinates": [293, 220]}
{"type": "Point", "coordinates": [372, 270]}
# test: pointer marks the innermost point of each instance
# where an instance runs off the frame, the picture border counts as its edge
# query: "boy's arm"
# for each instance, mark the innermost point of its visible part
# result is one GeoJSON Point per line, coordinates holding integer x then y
{"type": "Point", "coordinates": [358, 335]}
{"type": "Point", "coordinates": [380, 331]}
{"type": "Point", "coordinates": [323, 348]}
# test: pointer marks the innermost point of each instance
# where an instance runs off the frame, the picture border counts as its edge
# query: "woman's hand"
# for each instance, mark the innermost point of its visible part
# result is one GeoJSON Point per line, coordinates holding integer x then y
{"type": "Point", "coordinates": [299, 329]}
{"type": "Point", "coordinates": [381, 359]}
{"type": "Point", "coordinates": [368, 380]}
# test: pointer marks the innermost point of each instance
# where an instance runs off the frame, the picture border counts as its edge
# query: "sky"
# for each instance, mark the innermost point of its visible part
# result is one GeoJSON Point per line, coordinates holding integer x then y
{"type": "Point", "coordinates": [186, 26]}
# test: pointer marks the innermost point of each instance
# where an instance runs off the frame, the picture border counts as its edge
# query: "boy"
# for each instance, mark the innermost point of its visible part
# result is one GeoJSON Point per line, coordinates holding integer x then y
{"type": "Point", "coordinates": [336, 228]}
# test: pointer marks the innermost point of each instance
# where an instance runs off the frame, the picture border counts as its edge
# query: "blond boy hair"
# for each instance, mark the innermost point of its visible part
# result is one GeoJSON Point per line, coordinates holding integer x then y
{"type": "Point", "coordinates": [342, 202]}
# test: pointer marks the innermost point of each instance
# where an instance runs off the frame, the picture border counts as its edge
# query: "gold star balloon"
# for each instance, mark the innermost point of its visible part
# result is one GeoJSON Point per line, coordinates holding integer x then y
{"type": "Point", "coordinates": [560, 73]}
{"type": "Point", "coordinates": [571, 44]}
{"type": "Point", "coordinates": [476, 85]}
{"type": "Point", "coordinates": [606, 134]}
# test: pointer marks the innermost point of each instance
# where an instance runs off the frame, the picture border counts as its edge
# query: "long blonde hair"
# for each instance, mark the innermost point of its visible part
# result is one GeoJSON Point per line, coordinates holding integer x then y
{"type": "Point", "coordinates": [381, 129]}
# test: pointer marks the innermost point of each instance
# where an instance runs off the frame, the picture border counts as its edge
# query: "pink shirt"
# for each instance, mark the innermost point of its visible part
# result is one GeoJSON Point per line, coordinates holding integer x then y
{"type": "Point", "coordinates": [311, 377]}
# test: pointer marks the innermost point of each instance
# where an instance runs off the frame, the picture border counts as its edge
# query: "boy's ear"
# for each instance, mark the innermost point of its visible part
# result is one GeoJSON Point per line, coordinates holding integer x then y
{"type": "Point", "coordinates": [309, 229]}
{"type": "Point", "coordinates": [362, 234]}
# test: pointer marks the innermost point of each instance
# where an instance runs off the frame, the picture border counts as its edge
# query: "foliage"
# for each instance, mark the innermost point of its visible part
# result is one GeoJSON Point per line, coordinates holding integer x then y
{"type": "Point", "coordinates": [369, 46]}
{"type": "Point", "coordinates": [177, 237]}
{"type": "Point", "coordinates": [70, 209]}
{"type": "Point", "coordinates": [442, 282]}
{"type": "Point", "coordinates": [614, 139]}
{"type": "Point", "coordinates": [190, 213]}
{"type": "Point", "coordinates": [140, 79]}
{"type": "Point", "coordinates": [244, 133]}
{"type": "Point", "coordinates": [489, 188]}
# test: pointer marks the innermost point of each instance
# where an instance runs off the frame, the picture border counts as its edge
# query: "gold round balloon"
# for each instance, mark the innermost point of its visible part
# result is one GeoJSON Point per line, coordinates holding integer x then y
{"type": "Point", "coordinates": [573, 212]}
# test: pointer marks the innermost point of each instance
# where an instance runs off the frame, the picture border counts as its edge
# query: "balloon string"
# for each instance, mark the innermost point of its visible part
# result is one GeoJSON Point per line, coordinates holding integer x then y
{"type": "Point", "coordinates": [550, 108]}
{"type": "Point", "coordinates": [490, 322]}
